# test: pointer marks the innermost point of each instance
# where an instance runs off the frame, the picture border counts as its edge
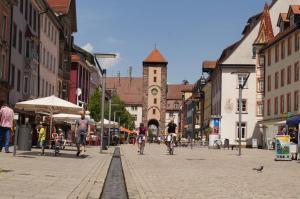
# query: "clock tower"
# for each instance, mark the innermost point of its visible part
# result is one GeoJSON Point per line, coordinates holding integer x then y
{"type": "Point", "coordinates": [155, 92]}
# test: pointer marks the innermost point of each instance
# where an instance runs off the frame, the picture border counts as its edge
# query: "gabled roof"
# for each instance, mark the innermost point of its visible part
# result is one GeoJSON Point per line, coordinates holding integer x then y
{"type": "Point", "coordinates": [130, 90]}
{"type": "Point", "coordinates": [60, 6]}
{"type": "Point", "coordinates": [155, 56]}
{"type": "Point", "coordinates": [208, 66]}
{"type": "Point", "coordinates": [175, 90]}
{"type": "Point", "coordinates": [265, 33]}
{"type": "Point", "coordinates": [282, 17]}
{"type": "Point", "coordinates": [294, 9]}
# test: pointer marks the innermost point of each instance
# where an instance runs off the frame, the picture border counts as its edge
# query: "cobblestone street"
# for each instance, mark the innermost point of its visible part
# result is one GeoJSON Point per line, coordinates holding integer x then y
{"type": "Point", "coordinates": [29, 175]}
{"type": "Point", "coordinates": [204, 173]}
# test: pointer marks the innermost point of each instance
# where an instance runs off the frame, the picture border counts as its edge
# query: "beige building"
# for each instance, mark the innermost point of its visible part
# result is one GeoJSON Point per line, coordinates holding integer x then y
{"type": "Point", "coordinates": [49, 51]}
{"type": "Point", "coordinates": [281, 66]}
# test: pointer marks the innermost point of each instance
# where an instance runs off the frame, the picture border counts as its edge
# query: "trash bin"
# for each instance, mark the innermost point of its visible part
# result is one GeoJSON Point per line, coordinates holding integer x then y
{"type": "Point", "coordinates": [254, 143]}
{"type": "Point", "coordinates": [226, 143]}
{"type": "Point", "coordinates": [24, 138]}
{"type": "Point", "coordinates": [105, 143]}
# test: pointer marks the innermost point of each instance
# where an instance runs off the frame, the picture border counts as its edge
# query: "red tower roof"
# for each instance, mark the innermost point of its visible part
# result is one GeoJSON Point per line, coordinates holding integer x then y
{"type": "Point", "coordinates": [155, 56]}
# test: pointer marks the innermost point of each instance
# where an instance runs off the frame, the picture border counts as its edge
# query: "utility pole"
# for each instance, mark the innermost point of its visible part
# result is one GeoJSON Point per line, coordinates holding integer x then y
{"type": "Point", "coordinates": [109, 118]}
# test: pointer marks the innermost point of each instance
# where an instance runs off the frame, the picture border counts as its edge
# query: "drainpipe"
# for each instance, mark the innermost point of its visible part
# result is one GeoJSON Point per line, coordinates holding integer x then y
{"type": "Point", "coordinates": [10, 42]}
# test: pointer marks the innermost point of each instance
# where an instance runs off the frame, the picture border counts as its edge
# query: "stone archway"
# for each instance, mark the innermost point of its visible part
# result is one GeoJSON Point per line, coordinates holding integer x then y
{"type": "Point", "coordinates": [153, 125]}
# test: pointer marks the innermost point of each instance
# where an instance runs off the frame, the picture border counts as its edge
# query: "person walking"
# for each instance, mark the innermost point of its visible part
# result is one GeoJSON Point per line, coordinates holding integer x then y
{"type": "Point", "coordinates": [6, 124]}
{"type": "Point", "coordinates": [42, 138]}
{"type": "Point", "coordinates": [82, 128]}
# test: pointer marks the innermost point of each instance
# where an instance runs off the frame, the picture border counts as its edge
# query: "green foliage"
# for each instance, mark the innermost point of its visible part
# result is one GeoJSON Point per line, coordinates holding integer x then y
{"type": "Point", "coordinates": [118, 106]}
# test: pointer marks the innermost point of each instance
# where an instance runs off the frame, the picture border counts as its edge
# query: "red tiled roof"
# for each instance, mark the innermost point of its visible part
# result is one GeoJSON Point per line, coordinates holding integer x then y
{"type": "Point", "coordinates": [284, 17]}
{"type": "Point", "coordinates": [295, 9]}
{"type": "Point", "coordinates": [209, 64]}
{"type": "Point", "coordinates": [265, 32]}
{"type": "Point", "coordinates": [60, 6]}
{"type": "Point", "coordinates": [175, 90]}
{"type": "Point", "coordinates": [155, 56]}
{"type": "Point", "coordinates": [130, 90]}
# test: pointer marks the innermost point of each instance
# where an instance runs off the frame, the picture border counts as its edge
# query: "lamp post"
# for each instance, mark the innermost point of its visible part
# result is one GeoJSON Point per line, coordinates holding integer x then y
{"type": "Point", "coordinates": [103, 71]}
{"type": "Point", "coordinates": [109, 118]}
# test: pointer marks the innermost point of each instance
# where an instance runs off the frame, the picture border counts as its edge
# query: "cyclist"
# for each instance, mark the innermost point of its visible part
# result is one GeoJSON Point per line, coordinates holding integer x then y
{"type": "Point", "coordinates": [171, 132]}
{"type": "Point", "coordinates": [142, 131]}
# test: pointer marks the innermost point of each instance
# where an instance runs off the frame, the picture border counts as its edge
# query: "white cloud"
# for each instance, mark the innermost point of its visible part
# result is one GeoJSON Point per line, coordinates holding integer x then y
{"type": "Point", "coordinates": [88, 47]}
{"type": "Point", "coordinates": [110, 62]}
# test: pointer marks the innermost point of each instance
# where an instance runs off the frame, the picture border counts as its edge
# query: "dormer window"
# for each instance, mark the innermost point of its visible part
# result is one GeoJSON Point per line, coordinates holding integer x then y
{"type": "Point", "coordinates": [282, 26]}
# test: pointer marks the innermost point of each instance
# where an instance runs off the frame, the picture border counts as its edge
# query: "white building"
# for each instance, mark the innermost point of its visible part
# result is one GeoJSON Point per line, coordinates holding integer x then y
{"type": "Point", "coordinates": [233, 66]}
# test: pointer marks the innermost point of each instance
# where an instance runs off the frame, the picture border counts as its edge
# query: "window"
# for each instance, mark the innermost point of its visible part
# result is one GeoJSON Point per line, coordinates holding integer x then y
{"type": "Point", "coordinates": [276, 80]}
{"type": "Point", "coordinates": [55, 35]}
{"type": "Point", "coordinates": [52, 33]}
{"type": "Point", "coordinates": [244, 106]}
{"type": "Point", "coordinates": [282, 49]}
{"type": "Point", "coordinates": [54, 64]}
{"type": "Point", "coordinates": [260, 108]}
{"type": "Point", "coordinates": [296, 100]}
{"type": "Point", "coordinates": [26, 9]}
{"type": "Point", "coordinates": [243, 129]}
{"type": "Point", "coordinates": [154, 71]}
{"type": "Point", "coordinates": [44, 56]}
{"type": "Point", "coordinates": [281, 104]}
{"type": "Point", "coordinates": [50, 62]}
{"type": "Point", "coordinates": [269, 107]}
{"type": "Point", "coordinates": [282, 77]}
{"type": "Point", "coordinates": [21, 6]}
{"type": "Point", "coordinates": [26, 84]}
{"type": "Point", "coordinates": [47, 64]}
{"type": "Point", "coordinates": [260, 86]}
{"type": "Point", "coordinates": [276, 105]}
{"type": "Point", "coordinates": [176, 105]}
{"type": "Point", "coordinates": [49, 26]}
{"type": "Point", "coordinates": [4, 23]}
{"type": "Point", "coordinates": [289, 45]}
{"type": "Point", "coordinates": [269, 57]}
{"type": "Point", "coordinates": [297, 42]}
{"type": "Point", "coordinates": [134, 108]}
{"type": "Point", "coordinates": [276, 53]}
{"type": "Point", "coordinates": [12, 76]}
{"type": "Point", "coordinates": [14, 42]}
{"type": "Point", "coordinates": [34, 20]}
{"type": "Point", "coordinates": [154, 111]}
{"type": "Point", "coordinates": [154, 79]}
{"type": "Point", "coordinates": [1, 68]}
{"type": "Point", "coordinates": [27, 49]}
{"type": "Point", "coordinates": [171, 115]}
{"type": "Point", "coordinates": [19, 81]}
{"type": "Point", "coordinates": [289, 102]}
{"type": "Point", "coordinates": [155, 101]}
{"type": "Point", "coordinates": [134, 116]}
{"type": "Point", "coordinates": [289, 74]}
{"type": "Point", "coordinates": [30, 14]}
{"type": "Point", "coordinates": [45, 25]}
{"type": "Point", "coordinates": [43, 85]}
{"type": "Point", "coordinates": [241, 79]}
{"type": "Point", "coordinates": [269, 83]}
{"type": "Point", "coordinates": [52, 90]}
{"type": "Point", "coordinates": [296, 72]}
{"type": "Point", "coordinates": [20, 41]}
{"type": "Point", "coordinates": [46, 89]}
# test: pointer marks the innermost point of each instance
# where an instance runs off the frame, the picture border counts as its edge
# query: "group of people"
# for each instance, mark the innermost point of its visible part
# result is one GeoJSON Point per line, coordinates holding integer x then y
{"type": "Point", "coordinates": [292, 132]}
{"type": "Point", "coordinates": [142, 134]}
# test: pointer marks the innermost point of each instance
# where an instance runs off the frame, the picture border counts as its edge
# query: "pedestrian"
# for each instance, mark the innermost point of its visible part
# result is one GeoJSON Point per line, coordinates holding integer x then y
{"type": "Point", "coordinates": [282, 132]}
{"type": "Point", "coordinates": [82, 129]}
{"type": "Point", "coordinates": [6, 124]}
{"type": "Point", "coordinates": [42, 138]}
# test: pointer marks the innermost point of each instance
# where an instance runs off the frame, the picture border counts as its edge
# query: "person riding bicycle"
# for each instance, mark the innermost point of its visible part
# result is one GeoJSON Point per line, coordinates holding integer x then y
{"type": "Point", "coordinates": [141, 137]}
{"type": "Point", "coordinates": [171, 132]}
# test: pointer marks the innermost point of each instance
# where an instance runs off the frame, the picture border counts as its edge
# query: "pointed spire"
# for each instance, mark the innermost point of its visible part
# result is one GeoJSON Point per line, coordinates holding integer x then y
{"type": "Point", "coordinates": [155, 56]}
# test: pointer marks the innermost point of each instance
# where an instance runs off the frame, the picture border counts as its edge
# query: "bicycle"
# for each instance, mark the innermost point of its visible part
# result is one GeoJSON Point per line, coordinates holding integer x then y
{"type": "Point", "coordinates": [141, 142]}
{"type": "Point", "coordinates": [217, 144]}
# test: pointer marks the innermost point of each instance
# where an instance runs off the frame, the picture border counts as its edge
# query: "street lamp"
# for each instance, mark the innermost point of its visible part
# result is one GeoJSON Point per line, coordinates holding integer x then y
{"type": "Point", "coordinates": [241, 87]}
{"type": "Point", "coordinates": [103, 72]}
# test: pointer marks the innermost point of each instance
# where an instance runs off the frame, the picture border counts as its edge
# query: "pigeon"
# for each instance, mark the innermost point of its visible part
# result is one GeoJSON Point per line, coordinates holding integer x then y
{"type": "Point", "coordinates": [259, 169]}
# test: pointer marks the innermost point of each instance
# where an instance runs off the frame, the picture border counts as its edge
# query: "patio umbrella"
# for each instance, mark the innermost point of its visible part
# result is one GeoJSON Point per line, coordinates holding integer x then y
{"type": "Point", "coordinates": [51, 105]}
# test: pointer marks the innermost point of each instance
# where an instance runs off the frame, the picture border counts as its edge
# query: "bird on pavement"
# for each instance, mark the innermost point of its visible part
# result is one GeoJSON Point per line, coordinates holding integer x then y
{"type": "Point", "coordinates": [259, 169]}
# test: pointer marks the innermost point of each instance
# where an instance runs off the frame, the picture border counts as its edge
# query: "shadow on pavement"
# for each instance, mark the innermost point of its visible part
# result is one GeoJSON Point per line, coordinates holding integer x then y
{"type": "Point", "coordinates": [49, 154]}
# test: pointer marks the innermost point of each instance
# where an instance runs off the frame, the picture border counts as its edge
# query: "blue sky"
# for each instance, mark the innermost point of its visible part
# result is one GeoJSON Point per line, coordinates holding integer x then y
{"type": "Point", "coordinates": [185, 31]}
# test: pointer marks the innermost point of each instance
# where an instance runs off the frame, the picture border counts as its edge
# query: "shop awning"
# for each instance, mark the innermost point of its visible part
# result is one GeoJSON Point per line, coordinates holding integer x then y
{"type": "Point", "coordinates": [126, 130]}
{"type": "Point", "coordinates": [293, 120]}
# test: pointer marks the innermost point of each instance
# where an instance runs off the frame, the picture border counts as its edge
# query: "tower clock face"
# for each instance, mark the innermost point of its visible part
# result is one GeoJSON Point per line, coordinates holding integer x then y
{"type": "Point", "coordinates": [154, 91]}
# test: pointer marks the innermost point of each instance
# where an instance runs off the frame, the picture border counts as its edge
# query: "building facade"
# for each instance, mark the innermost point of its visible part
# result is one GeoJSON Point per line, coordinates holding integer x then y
{"type": "Point", "coordinates": [25, 52]}
{"type": "Point", "coordinates": [280, 61]}
{"type": "Point", "coordinates": [6, 9]}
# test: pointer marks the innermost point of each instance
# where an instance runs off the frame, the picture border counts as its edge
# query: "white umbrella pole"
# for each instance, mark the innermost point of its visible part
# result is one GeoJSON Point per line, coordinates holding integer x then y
{"type": "Point", "coordinates": [51, 119]}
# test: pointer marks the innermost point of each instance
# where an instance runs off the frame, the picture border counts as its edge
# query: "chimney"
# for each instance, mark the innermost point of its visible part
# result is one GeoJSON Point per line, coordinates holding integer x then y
{"type": "Point", "coordinates": [119, 77]}
{"type": "Point", "coordinates": [130, 72]}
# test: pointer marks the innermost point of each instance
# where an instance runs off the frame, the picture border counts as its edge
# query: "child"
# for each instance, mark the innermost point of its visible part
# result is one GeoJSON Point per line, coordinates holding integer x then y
{"type": "Point", "coordinates": [42, 138]}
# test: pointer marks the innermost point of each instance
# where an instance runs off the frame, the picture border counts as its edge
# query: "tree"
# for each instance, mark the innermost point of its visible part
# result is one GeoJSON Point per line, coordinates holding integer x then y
{"type": "Point", "coordinates": [185, 82]}
{"type": "Point", "coordinates": [94, 105]}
